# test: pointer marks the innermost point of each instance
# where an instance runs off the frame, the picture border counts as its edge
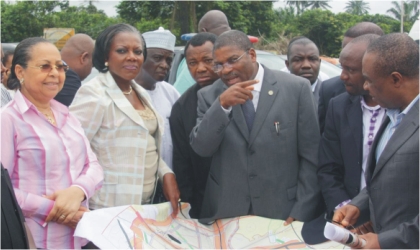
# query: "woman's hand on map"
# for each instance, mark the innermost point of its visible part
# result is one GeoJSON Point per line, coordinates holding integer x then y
{"type": "Point", "coordinates": [76, 218]}
{"type": "Point", "coordinates": [171, 192]}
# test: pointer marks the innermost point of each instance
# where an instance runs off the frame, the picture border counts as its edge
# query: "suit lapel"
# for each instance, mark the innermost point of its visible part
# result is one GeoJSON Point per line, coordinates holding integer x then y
{"type": "Point", "coordinates": [408, 125]}
{"type": "Point", "coordinates": [265, 102]}
{"type": "Point", "coordinates": [371, 162]}
{"type": "Point", "coordinates": [121, 101]}
{"type": "Point", "coordinates": [355, 120]}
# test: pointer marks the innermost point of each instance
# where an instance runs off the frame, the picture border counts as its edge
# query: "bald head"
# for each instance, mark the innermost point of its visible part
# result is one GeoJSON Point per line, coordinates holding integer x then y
{"type": "Point", "coordinates": [361, 29]}
{"type": "Point", "coordinates": [77, 53]}
{"type": "Point", "coordinates": [214, 21]}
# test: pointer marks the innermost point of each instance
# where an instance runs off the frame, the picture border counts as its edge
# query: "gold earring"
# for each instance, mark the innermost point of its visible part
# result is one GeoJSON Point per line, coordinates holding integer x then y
{"type": "Point", "coordinates": [106, 64]}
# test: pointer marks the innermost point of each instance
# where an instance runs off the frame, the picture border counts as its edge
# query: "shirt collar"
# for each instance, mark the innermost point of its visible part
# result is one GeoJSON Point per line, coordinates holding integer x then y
{"type": "Point", "coordinates": [394, 114]}
{"type": "Point", "coordinates": [313, 86]}
{"type": "Point", "coordinates": [259, 77]}
{"type": "Point", "coordinates": [365, 106]}
{"type": "Point", "coordinates": [24, 104]}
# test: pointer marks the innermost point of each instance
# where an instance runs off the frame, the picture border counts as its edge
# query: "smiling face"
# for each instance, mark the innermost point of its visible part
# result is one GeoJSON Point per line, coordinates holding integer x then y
{"type": "Point", "coordinates": [351, 62]}
{"type": "Point", "coordinates": [125, 57]}
{"type": "Point", "coordinates": [304, 61]}
{"type": "Point", "coordinates": [200, 63]}
{"type": "Point", "coordinates": [241, 70]}
{"type": "Point", "coordinates": [40, 86]}
{"type": "Point", "coordinates": [158, 63]}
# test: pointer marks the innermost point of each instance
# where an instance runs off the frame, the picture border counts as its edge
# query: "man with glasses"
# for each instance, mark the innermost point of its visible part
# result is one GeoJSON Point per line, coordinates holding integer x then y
{"type": "Point", "coordinates": [260, 127]}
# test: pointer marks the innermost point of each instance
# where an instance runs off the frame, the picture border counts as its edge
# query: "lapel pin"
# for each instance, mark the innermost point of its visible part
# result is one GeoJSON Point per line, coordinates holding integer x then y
{"type": "Point", "coordinates": [270, 92]}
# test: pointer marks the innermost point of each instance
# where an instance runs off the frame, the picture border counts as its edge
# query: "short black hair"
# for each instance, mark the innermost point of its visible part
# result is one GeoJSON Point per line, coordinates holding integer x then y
{"type": "Point", "coordinates": [21, 56]}
{"type": "Point", "coordinates": [368, 39]}
{"type": "Point", "coordinates": [7, 51]}
{"type": "Point", "coordinates": [298, 40]}
{"type": "Point", "coordinates": [363, 28]}
{"type": "Point", "coordinates": [104, 41]}
{"type": "Point", "coordinates": [396, 52]}
{"type": "Point", "coordinates": [200, 39]}
{"type": "Point", "coordinates": [234, 38]}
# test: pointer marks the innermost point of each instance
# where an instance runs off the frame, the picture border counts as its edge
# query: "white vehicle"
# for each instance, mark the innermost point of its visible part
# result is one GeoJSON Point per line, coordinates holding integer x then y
{"type": "Point", "coordinates": [414, 32]}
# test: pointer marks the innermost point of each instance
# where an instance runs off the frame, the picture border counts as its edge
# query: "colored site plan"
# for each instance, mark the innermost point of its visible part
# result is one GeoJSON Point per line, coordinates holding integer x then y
{"type": "Point", "coordinates": [152, 227]}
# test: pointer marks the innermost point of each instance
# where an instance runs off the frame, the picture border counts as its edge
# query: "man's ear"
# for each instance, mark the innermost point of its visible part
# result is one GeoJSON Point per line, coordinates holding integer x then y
{"type": "Point", "coordinates": [203, 30]}
{"type": "Point", "coordinates": [253, 54]}
{"type": "Point", "coordinates": [287, 63]}
{"type": "Point", "coordinates": [397, 79]}
{"type": "Point", "coordinates": [84, 57]}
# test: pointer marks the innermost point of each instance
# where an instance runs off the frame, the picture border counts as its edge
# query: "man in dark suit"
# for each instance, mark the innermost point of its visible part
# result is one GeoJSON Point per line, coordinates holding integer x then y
{"type": "Point", "coordinates": [191, 169]}
{"type": "Point", "coordinates": [260, 128]}
{"type": "Point", "coordinates": [303, 60]}
{"type": "Point", "coordinates": [14, 232]}
{"type": "Point", "coordinates": [352, 122]}
{"type": "Point", "coordinates": [77, 54]}
{"type": "Point", "coordinates": [335, 86]}
{"type": "Point", "coordinates": [353, 118]}
{"type": "Point", "coordinates": [391, 196]}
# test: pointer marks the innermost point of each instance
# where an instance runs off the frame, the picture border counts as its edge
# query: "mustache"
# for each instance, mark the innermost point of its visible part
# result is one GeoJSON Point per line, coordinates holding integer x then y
{"type": "Point", "coordinates": [229, 76]}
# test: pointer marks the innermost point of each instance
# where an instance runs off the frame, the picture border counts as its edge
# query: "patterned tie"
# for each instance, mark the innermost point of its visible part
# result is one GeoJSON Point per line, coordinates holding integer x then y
{"type": "Point", "coordinates": [249, 113]}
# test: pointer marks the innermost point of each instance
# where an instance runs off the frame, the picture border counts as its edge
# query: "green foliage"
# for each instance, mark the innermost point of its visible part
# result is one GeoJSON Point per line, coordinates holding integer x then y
{"type": "Point", "coordinates": [411, 10]}
{"type": "Point", "coordinates": [323, 28]}
{"type": "Point", "coordinates": [25, 19]}
{"type": "Point", "coordinates": [22, 19]}
{"type": "Point", "coordinates": [357, 7]}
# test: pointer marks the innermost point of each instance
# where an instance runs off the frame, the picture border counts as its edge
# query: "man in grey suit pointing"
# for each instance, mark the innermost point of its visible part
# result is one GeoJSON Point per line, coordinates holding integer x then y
{"type": "Point", "coordinates": [260, 127]}
{"type": "Point", "coordinates": [391, 196]}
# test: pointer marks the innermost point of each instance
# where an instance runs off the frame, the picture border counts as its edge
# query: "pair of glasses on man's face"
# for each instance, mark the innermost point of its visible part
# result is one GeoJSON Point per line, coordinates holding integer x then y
{"type": "Point", "coordinates": [217, 67]}
{"type": "Point", "coordinates": [46, 68]}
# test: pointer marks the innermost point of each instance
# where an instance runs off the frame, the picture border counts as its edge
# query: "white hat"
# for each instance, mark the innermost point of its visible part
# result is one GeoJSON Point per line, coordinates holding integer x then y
{"type": "Point", "coordinates": [160, 38]}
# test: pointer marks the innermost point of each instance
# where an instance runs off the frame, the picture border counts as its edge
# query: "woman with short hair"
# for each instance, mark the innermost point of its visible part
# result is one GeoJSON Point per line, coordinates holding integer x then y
{"type": "Point", "coordinates": [121, 124]}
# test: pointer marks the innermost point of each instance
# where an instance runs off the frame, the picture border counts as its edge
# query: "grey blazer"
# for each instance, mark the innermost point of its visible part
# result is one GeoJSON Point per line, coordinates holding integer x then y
{"type": "Point", "coordinates": [392, 192]}
{"type": "Point", "coordinates": [273, 171]}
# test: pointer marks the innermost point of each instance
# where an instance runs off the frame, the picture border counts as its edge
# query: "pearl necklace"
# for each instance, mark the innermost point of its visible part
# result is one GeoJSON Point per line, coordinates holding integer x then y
{"type": "Point", "coordinates": [129, 92]}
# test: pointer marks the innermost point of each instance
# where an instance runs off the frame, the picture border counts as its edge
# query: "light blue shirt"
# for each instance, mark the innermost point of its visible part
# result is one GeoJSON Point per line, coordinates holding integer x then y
{"type": "Point", "coordinates": [184, 79]}
{"type": "Point", "coordinates": [396, 117]}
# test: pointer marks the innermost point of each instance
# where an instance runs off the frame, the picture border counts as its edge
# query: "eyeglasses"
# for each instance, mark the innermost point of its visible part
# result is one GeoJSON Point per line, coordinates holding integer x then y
{"type": "Point", "coordinates": [217, 67]}
{"type": "Point", "coordinates": [46, 68]}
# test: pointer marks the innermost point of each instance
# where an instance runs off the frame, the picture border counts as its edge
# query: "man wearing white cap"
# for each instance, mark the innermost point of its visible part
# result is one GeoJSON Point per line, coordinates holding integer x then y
{"type": "Point", "coordinates": [160, 46]}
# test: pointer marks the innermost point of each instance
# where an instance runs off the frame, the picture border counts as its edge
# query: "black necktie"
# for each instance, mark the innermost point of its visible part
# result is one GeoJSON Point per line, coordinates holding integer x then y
{"type": "Point", "coordinates": [249, 113]}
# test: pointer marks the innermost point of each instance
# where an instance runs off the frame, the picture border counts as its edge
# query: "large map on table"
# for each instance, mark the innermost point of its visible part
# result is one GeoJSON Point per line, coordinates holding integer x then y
{"type": "Point", "coordinates": [151, 226]}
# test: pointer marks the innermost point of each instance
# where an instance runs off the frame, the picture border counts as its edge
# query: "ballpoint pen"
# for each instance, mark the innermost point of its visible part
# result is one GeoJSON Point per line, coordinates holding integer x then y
{"type": "Point", "coordinates": [277, 125]}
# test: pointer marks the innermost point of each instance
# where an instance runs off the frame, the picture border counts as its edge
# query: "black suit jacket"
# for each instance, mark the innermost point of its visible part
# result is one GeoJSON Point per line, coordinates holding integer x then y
{"type": "Point", "coordinates": [341, 151]}
{"type": "Point", "coordinates": [71, 85]}
{"type": "Point", "coordinates": [13, 234]}
{"type": "Point", "coordinates": [329, 88]}
{"type": "Point", "coordinates": [191, 170]}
